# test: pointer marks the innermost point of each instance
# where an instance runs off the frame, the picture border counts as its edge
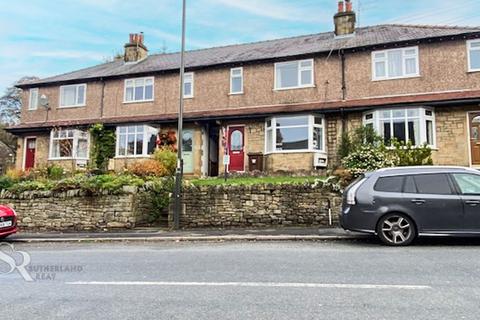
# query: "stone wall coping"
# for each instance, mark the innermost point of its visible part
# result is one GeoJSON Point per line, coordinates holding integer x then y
{"type": "Point", "coordinates": [74, 193]}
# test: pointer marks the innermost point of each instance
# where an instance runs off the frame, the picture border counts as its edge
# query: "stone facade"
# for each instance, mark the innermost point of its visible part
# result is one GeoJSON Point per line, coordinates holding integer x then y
{"type": "Point", "coordinates": [75, 211]}
{"type": "Point", "coordinates": [258, 206]}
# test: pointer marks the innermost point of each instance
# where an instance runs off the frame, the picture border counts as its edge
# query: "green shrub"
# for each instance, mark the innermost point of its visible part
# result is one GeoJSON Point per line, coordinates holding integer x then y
{"type": "Point", "coordinates": [405, 154]}
{"type": "Point", "coordinates": [168, 158]}
{"type": "Point", "coordinates": [5, 182]}
{"type": "Point", "coordinates": [34, 185]}
{"type": "Point", "coordinates": [55, 172]}
{"type": "Point", "coordinates": [367, 158]}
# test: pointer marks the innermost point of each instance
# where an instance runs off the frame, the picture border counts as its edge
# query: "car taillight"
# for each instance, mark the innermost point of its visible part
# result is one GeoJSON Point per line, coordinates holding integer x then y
{"type": "Point", "coordinates": [353, 191]}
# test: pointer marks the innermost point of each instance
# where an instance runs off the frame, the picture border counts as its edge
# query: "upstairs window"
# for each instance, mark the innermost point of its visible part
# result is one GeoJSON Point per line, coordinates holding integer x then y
{"type": "Point", "coordinates": [416, 125]}
{"type": "Point", "coordinates": [136, 140]}
{"type": "Point", "coordinates": [139, 90]}
{"type": "Point", "coordinates": [33, 100]}
{"type": "Point", "coordinates": [73, 95]}
{"type": "Point", "coordinates": [294, 74]}
{"type": "Point", "coordinates": [236, 81]}
{"type": "Point", "coordinates": [69, 144]}
{"type": "Point", "coordinates": [395, 63]}
{"type": "Point", "coordinates": [295, 133]}
{"type": "Point", "coordinates": [188, 85]}
{"type": "Point", "coordinates": [473, 55]}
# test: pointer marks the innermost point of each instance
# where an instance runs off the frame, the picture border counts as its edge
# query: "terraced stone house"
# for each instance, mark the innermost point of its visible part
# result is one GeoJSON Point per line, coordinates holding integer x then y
{"type": "Point", "coordinates": [285, 101]}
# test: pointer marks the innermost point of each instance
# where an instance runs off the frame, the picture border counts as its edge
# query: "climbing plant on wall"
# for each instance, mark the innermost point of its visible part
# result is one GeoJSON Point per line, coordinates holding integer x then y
{"type": "Point", "coordinates": [102, 146]}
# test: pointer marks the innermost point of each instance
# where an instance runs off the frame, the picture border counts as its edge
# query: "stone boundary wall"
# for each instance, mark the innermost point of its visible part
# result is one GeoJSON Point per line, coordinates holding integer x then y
{"type": "Point", "coordinates": [76, 211]}
{"type": "Point", "coordinates": [258, 206]}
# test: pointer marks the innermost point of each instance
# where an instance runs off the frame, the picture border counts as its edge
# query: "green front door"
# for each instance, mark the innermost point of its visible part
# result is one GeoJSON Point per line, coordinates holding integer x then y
{"type": "Point", "coordinates": [187, 148]}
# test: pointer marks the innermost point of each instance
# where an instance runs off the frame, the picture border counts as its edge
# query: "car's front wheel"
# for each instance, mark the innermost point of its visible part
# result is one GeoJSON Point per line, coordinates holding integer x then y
{"type": "Point", "coordinates": [396, 229]}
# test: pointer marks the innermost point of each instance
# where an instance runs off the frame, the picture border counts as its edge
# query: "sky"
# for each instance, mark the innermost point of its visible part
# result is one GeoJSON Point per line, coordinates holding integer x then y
{"type": "Point", "coordinates": [49, 37]}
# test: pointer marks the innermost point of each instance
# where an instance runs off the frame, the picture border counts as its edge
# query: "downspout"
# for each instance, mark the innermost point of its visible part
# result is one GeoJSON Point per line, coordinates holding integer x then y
{"type": "Point", "coordinates": [102, 98]}
{"type": "Point", "coordinates": [344, 91]}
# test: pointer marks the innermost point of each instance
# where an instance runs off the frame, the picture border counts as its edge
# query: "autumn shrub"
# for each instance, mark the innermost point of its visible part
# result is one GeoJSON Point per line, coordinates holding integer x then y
{"type": "Point", "coordinates": [167, 157]}
{"type": "Point", "coordinates": [16, 174]}
{"type": "Point", "coordinates": [148, 168]}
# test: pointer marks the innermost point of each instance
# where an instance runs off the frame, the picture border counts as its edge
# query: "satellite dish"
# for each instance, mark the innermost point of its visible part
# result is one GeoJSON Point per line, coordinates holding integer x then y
{"type": "Point", "coordinates": [43, 101]}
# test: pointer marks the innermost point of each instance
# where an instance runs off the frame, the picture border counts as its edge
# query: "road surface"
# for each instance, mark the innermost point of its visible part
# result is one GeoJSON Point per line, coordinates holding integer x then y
{"type": "Point", "coordinates": [437, 279]}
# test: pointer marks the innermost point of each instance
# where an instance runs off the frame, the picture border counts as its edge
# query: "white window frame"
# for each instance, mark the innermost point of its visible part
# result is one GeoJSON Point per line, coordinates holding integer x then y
{"type": "Point", "coordinates": [76, 86]}
{"type": "Point", "coordinates": [133, 81]}
{"type": "Point", "coordinates": [76, 135]}
{"type": "Point", "coordinates": [404, 58]}
{"type": "Point", "coordinates": [375, 121]}
{"type": "Point", "coordinates": [232, 76]}
{"type": "Point", "coordinates": [469, 52]}
{"type": "Point", "coordinates": [299, 76]}
{"type": "Point", "coordinates": [192, 82]}
{"type": "Point", "coordinates": [311, 125]}
{"type": "Point", "coordinates": [33, 103]}
{"type": "Point", "coordinates": [146, 133]}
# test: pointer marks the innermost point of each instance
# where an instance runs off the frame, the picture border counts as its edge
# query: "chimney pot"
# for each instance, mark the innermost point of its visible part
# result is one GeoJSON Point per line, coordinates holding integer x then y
{"type": "Point", "coordinates": [341, 6]}
{"type": "Point", "coordinates": [349, 6]}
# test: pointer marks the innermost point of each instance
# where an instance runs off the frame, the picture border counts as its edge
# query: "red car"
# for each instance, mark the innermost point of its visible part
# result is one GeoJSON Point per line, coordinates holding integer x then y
{"type": "Point", "coordinates": [8, 221]}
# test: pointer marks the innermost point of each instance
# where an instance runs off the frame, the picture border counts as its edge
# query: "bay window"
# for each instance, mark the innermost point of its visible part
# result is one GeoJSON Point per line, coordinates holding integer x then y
{"type": "Point", "coordinates": [136, 140]}
{"type": "Point", "coordinates": [139, 90]}
{"type": "Point", "coordinates": [416, 125]}
{"type": "Point", "coordinates": [294, 133]}
{"type": "Point", "coordinates": [69, 144]}
{"type": "Point", "coordinates": [294, 74]}
{"type": "Point", "coordinates": [395, 63]}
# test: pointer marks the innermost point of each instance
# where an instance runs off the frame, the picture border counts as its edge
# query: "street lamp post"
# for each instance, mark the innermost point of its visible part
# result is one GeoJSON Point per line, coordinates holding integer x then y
{"type": "Point", "coordinates": [179, 172]}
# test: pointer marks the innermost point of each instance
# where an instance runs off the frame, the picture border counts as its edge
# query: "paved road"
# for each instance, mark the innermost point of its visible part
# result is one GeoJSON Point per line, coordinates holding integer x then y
{"type": "Point", "coordinates": [437, 279]}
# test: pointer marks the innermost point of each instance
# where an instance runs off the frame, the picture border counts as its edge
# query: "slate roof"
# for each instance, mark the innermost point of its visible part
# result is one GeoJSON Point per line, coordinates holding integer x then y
{"type": "Point", "coordinates": [266, 50]}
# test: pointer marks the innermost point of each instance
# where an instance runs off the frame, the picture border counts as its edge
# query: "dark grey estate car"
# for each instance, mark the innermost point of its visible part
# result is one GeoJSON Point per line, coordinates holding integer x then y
{"type": "Point", "coordinates": [399, 204]}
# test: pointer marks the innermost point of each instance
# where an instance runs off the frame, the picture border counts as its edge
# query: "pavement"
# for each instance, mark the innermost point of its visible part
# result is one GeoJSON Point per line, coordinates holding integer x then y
{"type": "Point", "coordinates": [344, 279]}
{"type": "Point", "coordinates": [155, 234]}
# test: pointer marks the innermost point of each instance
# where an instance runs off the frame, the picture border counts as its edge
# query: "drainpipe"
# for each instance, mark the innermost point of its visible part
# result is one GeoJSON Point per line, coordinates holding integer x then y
{"type": "Point", "coordinates": [344, 81]}
{"type": "Point", "coordinates": [102, 98]}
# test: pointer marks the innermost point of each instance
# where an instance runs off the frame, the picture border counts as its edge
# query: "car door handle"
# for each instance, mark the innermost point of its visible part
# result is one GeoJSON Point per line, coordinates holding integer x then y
{"type": "Point", "coordinates": [418, 201]}
{"type": "Point", "coordinates": [472, 203]}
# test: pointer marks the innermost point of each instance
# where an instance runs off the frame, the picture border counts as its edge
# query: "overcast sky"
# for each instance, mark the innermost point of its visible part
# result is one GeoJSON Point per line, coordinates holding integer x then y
{"type": "Point", "coordinates": [48, 37]}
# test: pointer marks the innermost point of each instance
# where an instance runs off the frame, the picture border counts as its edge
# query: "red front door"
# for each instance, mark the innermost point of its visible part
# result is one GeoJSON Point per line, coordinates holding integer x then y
{"type": "Point", "coordinates": [31, 146]}
{"type": "Point", "coordinates": [236, 149]}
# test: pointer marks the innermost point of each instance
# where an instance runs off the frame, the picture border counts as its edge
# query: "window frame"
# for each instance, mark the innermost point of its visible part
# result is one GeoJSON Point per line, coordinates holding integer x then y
{"type": "Point", "coordinates": [469, 53]}
{"type": "Point", "coordinates": [232, 76]}
{"type": "Point", "coordinates": [133, 80]}
{"type": "Point", "coordinates": [33, 106]}
{"type": "Point", "coordinates": [75, 138]}
{"type": "Point", "coordinates": [404, 58]}
{"type": "Point", "coordinates": [76, 105]}
{"type": "Point", "coordinates": [299, 74]}
{"type": "Point", "coordinates": [310, 125]}
{"type": "Point", "coordinates": [192, 82]}
{"type": "Point", "coordinates": [145, 133]}
{"type": "Point", "coordinates": [423, 118]}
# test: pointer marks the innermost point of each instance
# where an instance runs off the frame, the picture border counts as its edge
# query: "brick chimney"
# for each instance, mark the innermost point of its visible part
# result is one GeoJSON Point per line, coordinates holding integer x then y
{"type": "Point", "coordinates": [135, 50]}
{"type": "Point", "coordinates": [344, 19]}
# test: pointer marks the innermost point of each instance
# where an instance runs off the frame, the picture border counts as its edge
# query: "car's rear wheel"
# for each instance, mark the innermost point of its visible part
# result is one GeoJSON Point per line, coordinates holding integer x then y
{"type": "Point", "coordinates": [396, 229]}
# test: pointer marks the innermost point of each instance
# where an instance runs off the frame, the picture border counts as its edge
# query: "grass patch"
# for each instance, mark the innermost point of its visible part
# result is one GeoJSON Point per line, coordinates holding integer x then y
{"type": "Point", "coordinates": [254, 180]}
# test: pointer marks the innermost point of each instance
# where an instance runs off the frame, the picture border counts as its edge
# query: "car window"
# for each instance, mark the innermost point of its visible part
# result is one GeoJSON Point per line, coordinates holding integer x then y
{"type": "Point", "coordinates": [409, 186]}
{"type": "Point", "coordinates": [389, 184]}
{"type": "Point", "coordinates": [468, 183]}
{"type": "Point", "coordinates": [433, 183]}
